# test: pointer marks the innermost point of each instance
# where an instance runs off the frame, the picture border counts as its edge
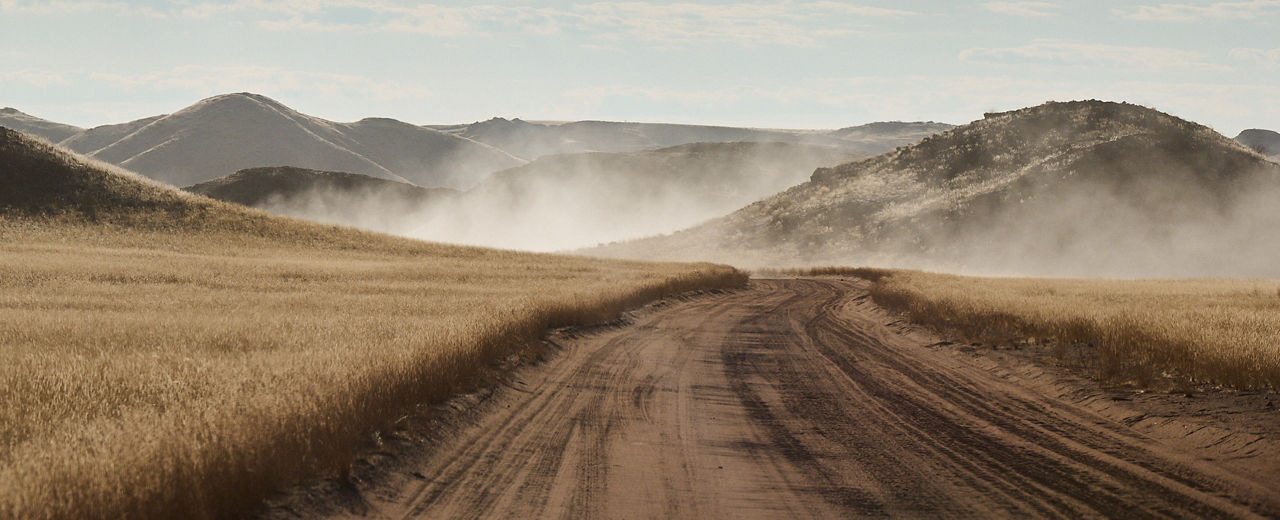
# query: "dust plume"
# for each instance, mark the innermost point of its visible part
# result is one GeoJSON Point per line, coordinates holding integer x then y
{"type": "Point", "coordinates": [574, 200]}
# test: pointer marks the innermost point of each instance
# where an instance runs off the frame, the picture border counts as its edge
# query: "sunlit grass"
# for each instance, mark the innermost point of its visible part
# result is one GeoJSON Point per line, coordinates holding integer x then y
{"type": "Point", "coordinates": [189, 376]}
{"type": "Point", "coordinates": [1214, 330]}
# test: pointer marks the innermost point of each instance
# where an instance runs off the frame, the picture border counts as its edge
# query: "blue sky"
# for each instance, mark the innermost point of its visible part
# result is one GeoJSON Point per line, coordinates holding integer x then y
{"type": "Point", "coordinates": [796, 64]}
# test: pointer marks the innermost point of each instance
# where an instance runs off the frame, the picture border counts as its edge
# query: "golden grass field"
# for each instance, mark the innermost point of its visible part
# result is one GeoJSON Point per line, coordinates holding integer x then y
{"type": "Point", "coordinates": [1213, 331]}
{"type": "Point", "coordinates": [166, 356]}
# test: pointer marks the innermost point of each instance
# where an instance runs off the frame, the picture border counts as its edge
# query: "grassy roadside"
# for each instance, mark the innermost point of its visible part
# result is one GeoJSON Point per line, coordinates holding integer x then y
{"type": "Point", "coordinates": [188, 378]}
{"type": "Point", "coordinates": [164, 355]}
{"type": "Point", "coordinates": [1216, 331]}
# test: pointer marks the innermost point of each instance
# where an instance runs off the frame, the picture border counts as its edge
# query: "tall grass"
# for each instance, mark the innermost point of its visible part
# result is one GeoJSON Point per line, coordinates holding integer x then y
{"type": "Point", "coordinates": [1215, 331]}
{"type": "Point", "coordinates": [180, 374]}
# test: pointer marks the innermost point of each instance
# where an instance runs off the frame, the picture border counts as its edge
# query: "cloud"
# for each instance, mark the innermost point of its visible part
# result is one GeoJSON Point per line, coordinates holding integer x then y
{"type": "Point", "coordinates": [278, 81]}
{"type": "Point", "coordinates": [1034, 9]}
{"type": "Point", "coordinates": [788, 23]}
{"type": "Point", "coordinates": [1055, 52]}
{"type": "Point", "coordinates": [1260, 57]}
{"type": "Point", "coordinates": [34, 78]}
{"type": "Point", "coordinates": [1190, 12]}
{"type": "Point", "coordinates": [801, 24]}
{"type": "Point", "coordinates": [71, 7]}
{"type": "Point", "coordinates": [783, 23]}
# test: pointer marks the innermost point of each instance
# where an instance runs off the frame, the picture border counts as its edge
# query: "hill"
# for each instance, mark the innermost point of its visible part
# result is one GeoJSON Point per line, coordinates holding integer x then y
{"type": "Point", "coordinates": [167, 355]}
{"type": "Point", "coordinates": [42, 180]}
{"type": "Point", "coordinates": [530, 140]}
{"type": "Point", "coordinates": [227, 133]}
{"type": "Point", "coordinates": [1265, 142]}
{"type": "Point", "coordinates": [96, 138]}
{"type": "Point", "coordinates": [333, 197]}
{"type": "Point", "coordinates": [1082, 188]}
{"type": "Point", "coordinates": [231, 132]}
{"type": "Point", "coordinates": [13, 119]}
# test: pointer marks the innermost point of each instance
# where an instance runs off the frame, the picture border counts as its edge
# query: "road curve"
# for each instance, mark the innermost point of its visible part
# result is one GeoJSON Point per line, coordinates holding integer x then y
{"type": "Point", "coordinates": [797, 398]}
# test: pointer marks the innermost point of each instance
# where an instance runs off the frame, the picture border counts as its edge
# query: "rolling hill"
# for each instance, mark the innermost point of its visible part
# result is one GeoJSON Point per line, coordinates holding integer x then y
{"type": "Point", "coordinates": [1082, 188]}
{"type": "Point", "coordinates": [227, 133]}
{"type": "Point", "coordinates": [1265, 142]}
{"type": "Point", "coordinates": [96, 138]}
{"type": "Point", "coordinates": [13, 119]}
{"type": "Point", "coordinates": [530, 140]}
{"type": "Point", "coordinates": [332, 197]}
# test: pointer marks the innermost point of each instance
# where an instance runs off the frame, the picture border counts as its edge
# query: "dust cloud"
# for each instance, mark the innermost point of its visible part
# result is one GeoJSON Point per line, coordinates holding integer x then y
{"type": "Point", "coordinates": [1092, 231]}
{"type": "Point", "coordinates": [571, 201]}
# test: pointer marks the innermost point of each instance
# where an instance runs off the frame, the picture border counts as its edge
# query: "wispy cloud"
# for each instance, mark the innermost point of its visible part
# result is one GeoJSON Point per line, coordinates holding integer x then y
{"type": "Point", "coordinates": [1033, 9]}
{"type": "Point", "coordinates": [68, 7]}
{"type": "Point", "coordinates": [1192, 12]}
{"type": "Point", "coordinates": [800, 24]}
{"type": "Point", "coordinates": [35, 78]}
{"type": "Point", "coordinates": [788, 23]}
{"type": "Point", "coordinates": [1054, 52]}
{"type": "Point", "coordinates": [221, 79]}
{"type": "Point", "coordinates": [1261, 57]}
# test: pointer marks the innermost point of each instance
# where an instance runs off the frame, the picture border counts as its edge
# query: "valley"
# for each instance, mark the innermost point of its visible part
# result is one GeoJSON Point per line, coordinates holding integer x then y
{"type": "Point", "coordinates": [281, 341]}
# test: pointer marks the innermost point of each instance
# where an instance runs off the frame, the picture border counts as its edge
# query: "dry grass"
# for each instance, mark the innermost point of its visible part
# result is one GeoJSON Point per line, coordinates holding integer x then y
{"type": "Point", "coordinates": [179, 377]}
{"type": "Point", "coordinates": [1214, 331]}
{"type": "Point", "coordinates": [169, 356]}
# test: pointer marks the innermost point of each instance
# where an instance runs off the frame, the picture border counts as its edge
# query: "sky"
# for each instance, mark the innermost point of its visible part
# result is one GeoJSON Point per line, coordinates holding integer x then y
{"type": "Point", "coordinates": [788, 64]}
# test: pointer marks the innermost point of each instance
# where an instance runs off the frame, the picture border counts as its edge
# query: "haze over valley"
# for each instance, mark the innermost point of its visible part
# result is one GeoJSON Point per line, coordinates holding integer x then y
{"type": "Point", "coordinates": [639, 259]}
{"type": "Point", "coordinates": [514, 184]}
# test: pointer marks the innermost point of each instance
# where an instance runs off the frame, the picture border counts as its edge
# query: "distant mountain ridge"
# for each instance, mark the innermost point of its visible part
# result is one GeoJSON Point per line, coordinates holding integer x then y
{"type": "Point", "coordinates": [227, 133]}
{"type": "Point", "coordinates": [530, 140]}
{"type": "Point", "coordinates": [223, 134]}
{"type": "Point", "coordinates": [1085, 188]}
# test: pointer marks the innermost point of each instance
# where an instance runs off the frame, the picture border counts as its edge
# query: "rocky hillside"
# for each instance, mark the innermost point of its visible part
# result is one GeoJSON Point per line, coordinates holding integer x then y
{"type": "Point", "coordinates": [1081, 188]}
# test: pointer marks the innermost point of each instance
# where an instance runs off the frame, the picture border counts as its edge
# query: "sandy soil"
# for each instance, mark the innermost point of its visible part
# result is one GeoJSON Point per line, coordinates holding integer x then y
{"type": "Point", "coordinates": [799, 398]}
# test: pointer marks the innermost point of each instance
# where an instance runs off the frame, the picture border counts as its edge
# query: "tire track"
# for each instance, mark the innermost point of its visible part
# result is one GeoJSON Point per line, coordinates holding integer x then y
{"type": "Point", "coordinates": [796, 398]}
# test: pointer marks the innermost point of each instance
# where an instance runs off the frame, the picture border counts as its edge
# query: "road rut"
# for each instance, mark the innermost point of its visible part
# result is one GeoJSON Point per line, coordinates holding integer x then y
{"type": "Point", "coordinates": [798, 398]}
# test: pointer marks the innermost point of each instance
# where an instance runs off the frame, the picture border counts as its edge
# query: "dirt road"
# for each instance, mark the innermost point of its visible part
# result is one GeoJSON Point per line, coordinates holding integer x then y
{"type": "Point", "coordinates": [799, 399]}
